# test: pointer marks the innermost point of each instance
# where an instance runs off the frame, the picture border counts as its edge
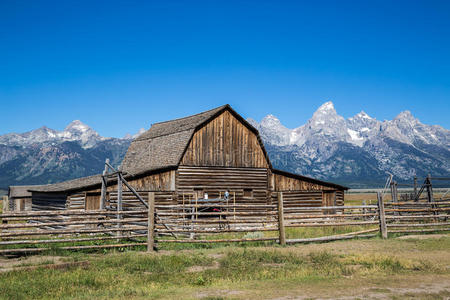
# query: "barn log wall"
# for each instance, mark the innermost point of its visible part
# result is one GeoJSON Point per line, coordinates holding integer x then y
{"type": "Point", "coordinates": [339, 198]}
{"type": "Point", "coordinates": [76, 201]}
{"type": "Point", "coordinates": [300, 193]}
{"type": "Point", "coordinates": [284, 183]}
{"type": "Point", "coordinates": [131, 202]}
{"type": "Point", "coordinates": [215, 180]}
{"type": "Point", "coordinates": [227, 142]}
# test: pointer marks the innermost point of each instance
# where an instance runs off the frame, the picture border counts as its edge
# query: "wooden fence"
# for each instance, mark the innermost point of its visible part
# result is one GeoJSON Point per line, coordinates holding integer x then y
{"type": "Point", "coordinates": [20, 232]}
{"type": "Point", "coordinates": [417, 217]}
{"type": "Point", "coordinates": [213, 221]}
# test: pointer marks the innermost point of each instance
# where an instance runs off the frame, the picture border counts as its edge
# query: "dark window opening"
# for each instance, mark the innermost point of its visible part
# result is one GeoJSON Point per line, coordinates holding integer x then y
{"type": "Point", "coordinates": [248, 193]}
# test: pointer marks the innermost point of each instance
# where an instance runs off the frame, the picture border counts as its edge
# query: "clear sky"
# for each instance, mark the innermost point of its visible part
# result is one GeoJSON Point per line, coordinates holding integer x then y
{"type": "Point", "coordinates": [122, 65]}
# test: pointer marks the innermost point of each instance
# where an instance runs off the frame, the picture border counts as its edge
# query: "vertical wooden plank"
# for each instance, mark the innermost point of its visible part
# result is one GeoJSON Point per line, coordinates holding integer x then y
{"type": "Point", "coordinates": [221, 141]}
{"type": "Point", "coordinates": [172, 180]}
{"type": "Point", "coordinates": [151, 222]}
{"type": "Point", "coordinates": [381, 216]}
{"type": "Point", "coordinates": [281, 231]}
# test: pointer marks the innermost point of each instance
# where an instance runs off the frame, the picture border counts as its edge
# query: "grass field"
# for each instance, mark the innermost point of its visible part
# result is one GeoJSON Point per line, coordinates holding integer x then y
{"type": "Point", "coordinates": [396, 269]}
{"type": "Point", "coordinates": [408, 267]}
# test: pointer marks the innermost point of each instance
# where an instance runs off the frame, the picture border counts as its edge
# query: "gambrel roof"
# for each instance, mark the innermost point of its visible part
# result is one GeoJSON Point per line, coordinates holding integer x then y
{"type": "Point", "coordinates": [165, 143]}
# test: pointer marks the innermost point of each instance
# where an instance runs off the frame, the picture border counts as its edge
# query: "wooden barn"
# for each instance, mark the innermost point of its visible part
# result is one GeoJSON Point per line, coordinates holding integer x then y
{"type": "Point", "coordinates": [207, 153]}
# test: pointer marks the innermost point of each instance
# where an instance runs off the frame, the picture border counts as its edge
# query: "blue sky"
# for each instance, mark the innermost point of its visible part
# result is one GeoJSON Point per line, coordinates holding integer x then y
{"type": "Point", "coordinates": [122, 65]}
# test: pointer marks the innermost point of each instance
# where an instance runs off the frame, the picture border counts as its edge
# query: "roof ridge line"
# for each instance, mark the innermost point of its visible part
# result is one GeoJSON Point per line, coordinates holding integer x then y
{"type": "Point", "coordinates": [222, 106]}
{"type": "Point", "coordinates": [150, 138]}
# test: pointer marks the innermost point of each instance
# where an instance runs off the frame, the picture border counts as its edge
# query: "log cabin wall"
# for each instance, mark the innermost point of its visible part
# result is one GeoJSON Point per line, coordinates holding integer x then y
{"type": "Point", "coordinates": [339, 197]}
{"type": "Point", "coordinates": [76, 201]}
{"type": "Point", "coordinates": [225, 142]}
{"type": "Point", "coordinates": [298, 193]}
{"type": "Point", "coordinates": [90, 198]}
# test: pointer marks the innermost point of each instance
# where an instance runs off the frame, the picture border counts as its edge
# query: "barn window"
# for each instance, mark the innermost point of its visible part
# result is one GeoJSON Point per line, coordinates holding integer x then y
{"type": "Point", "coordinates": [198, 192]}
{"type": "Point", "coordinates": [248, 193]}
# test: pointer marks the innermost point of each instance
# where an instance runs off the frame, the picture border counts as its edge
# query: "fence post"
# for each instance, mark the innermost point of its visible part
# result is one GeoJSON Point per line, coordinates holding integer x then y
{"type": "Point", "coordinates": [429, 189]}
{"type": "Point", "coordinates": [282, 233]}
{"type": "Point", "coordinates": [415, 188]}
{"type": "Point", "coordinates": [119, 201]}
{"type": "Point", "coordinates": [364, 211]}
{"type": "Point", "coordinates": [381, 216]}
{"type": "Point", "coordinates": [151, 222]}
{"type": "Point", "coordinates": [103, 191]}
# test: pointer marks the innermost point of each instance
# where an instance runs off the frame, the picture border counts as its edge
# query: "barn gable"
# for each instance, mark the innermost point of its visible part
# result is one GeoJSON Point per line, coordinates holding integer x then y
{"type": "Point", "coordinates": [226, 141]}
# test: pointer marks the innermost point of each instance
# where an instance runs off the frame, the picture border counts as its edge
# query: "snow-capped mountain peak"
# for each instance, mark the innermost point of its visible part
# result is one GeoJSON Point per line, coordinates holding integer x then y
{"type": "Point", "coordinates": [76, 131]}
{"type": "Point", "coordinates": [362, 115]}
{"type": "Point", "coordinates": [327, 107]}
{"type": "Point", "coordinates": [271, 126]}
{"type": "Point", "coordinates": [270, 120]}
{"type": "Point", "coordinates": [77, 125]}
{"type": "Point", "coordinates": [327, 133]}
{"type": "Point", "coordinates": [406, 116]}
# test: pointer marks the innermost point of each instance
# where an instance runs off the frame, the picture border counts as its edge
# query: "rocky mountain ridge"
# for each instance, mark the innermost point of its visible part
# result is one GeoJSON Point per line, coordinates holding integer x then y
{"type": "Point", "coordinates": [358, 151]}
{"type": "Point", "coordinates": [46, 155]}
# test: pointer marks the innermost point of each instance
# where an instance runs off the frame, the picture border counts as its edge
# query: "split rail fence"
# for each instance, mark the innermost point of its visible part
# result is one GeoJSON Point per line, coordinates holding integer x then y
{"type": "Point", "coordinates": [213, 221]}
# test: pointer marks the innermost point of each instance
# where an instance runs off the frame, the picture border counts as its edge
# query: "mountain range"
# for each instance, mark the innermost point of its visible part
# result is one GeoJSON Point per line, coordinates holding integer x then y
{"type": "Point", "coordinates": [45, 155]}
{"type": "Point", "coordinates": [359, 151]}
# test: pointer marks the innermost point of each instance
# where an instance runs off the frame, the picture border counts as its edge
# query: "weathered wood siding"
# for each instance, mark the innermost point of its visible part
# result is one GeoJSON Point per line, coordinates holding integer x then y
{"type": "Point", "coordinates": [225, 142]}
{"type": "Point", "coordinates": [18, 204]}
{"type": "Point", "coordinates": [92, 201]}
{"type": "Point", "coordinates": [215, 180]}
{"type": "Point", "coordinates": [284, 183]}
{"type": "Point", "coordinates": [164, 181]}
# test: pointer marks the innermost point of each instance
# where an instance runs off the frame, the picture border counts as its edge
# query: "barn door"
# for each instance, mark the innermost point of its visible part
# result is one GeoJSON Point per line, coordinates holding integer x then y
{"type": "Point", "coordinates": [329, 199]}
{"type": "Point", "coordinates": [92, 201]}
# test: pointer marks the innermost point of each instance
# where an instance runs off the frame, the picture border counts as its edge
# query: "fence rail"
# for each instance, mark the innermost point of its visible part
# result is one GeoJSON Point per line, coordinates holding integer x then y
{"type": "Point", "coordinates": [36, 231]}
{"type": "Point", "coordinates": [215, 222]}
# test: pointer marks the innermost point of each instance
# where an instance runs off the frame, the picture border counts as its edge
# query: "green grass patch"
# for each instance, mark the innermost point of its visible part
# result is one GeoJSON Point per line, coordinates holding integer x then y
{"type": "Point", "coordinates": [140, 275]}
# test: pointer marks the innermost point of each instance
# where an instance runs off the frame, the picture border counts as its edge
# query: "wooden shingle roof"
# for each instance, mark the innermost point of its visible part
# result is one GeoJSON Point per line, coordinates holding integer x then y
{"type": "Point", "coordinates": [21, 191]}
{"type": "Point", "coordinates": [69, 185]}
{"type": "Point", "coordinates": [163, 145]}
